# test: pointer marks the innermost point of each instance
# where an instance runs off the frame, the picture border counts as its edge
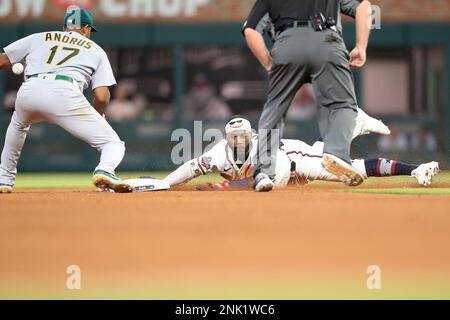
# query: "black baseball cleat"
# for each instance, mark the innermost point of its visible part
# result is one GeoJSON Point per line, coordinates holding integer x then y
{"type": "Point", "coordinates": [107, 181]}
{"type": "Point", "coordinates": [341, 169]}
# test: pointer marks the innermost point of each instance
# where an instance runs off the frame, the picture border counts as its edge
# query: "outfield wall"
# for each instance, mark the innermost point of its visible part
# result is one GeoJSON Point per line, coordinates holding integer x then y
{"type": "Point", "coordinates": [148, 141]}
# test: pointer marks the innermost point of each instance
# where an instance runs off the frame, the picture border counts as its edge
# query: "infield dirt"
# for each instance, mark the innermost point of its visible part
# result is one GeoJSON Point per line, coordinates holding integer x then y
{"type": "Point", "coordinates": [293, 243]}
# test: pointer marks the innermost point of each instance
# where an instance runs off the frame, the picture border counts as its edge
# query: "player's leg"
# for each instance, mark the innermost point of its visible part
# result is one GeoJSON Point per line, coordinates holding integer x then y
{"type": "Point", "coordinates": [310, 168]}
{"type": "Point", "coordinates": [285, 80]}
{"type": "Point", "coordinates": [15, 138]}
{"type": "Point", "coordinates": [69, 109]}
{"type": "Point", "coordinates": [14, 141]}
{"type": "Point", "coordinates": [334, 88]}
{"type": "Point", "coordinates": [92, 128]}
{"type": "Point", "coordinates": [366, 124]}
{"type": "Point", "coordinates": [308, 161]}
{"type": "Point", "coordinates": [381, 167]}
{"type": "Point", "coordinates": [289, 72]}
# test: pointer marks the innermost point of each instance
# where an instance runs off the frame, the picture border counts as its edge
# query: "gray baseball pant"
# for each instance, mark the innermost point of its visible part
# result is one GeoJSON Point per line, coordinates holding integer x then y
{"type": "Point", "coordinates": [301, 55]}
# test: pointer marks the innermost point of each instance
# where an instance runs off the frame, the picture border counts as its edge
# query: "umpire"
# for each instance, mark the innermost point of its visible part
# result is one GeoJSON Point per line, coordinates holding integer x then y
{"type": "Point", "coordinates": [309, 48]}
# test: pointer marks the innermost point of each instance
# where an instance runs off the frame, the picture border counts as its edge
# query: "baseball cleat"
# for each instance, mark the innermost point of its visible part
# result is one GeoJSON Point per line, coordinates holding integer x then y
{"type": "Point", "coordinates": [341, 169]}
{"type": "Point", "coordinates": [5, 188]}
{"type": "Point", "coordinates": [107, 181]}
{"type": "Point", "coordinates": [365, 124]}
{"type": "Point", "coordinates": [263, 183]}
{"type": "Point", "coordinates": [425, 172]}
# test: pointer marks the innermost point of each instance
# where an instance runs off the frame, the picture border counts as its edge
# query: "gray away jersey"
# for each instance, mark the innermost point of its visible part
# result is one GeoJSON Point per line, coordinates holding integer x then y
{"type": "Point", "coordinates": [63, 53]}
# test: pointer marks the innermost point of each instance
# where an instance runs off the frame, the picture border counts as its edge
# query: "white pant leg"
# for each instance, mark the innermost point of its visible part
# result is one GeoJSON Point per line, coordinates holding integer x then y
{"type": "Point", "coordinates": [282, 169]}
{"type": "Point", "coordinates": [71, 111]}
{"type": "Point", "coordinates": [14, 141]}
{"type": "Point", "coordinates": [92, 128]}
{"type": "Point", "coordinates": [310, 167]}
{"type": "Point", "coordinates": [360, 164]}
{"type": "Point", "coordinates": [308, 160]}
{"type": "Point", "coordinates": [16, 134]}
{"type": "Point", "coordinates": [61, 103]}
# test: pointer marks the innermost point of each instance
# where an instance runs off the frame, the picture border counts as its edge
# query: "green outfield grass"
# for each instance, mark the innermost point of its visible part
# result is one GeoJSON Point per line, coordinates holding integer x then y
{"type": "Point", "coordinates": [405, 191]}
{"type": "Point", "coordinates": [394, 185]}
{"type": "Point", "coordinates": [241, 290]}
{"type": "Point", "coordinates": [83, 180]}
{"type": "Point", "coordinates": [389, 185]}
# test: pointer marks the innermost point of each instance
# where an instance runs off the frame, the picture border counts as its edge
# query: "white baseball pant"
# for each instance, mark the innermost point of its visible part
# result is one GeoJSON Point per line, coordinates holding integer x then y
{"type": "Point", "coordinates": [62, 103]}
{"type": "Point", "coordinates": [309, 160]}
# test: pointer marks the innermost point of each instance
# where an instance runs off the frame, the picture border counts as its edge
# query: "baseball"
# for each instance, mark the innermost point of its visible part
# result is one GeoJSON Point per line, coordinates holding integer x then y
{"type": "Point", "coordinates": [17, 68]}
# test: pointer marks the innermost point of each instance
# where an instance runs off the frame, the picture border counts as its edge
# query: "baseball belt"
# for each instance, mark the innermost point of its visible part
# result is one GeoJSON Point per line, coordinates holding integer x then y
{"type": "Point", "coordinates": [57, 77]}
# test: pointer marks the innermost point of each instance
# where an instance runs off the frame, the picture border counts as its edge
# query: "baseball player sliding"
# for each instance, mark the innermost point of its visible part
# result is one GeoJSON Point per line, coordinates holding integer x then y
{"type": "Point", "coordinates": [59, 66]}
{"type": "Point", "coordinates": [297, 162]}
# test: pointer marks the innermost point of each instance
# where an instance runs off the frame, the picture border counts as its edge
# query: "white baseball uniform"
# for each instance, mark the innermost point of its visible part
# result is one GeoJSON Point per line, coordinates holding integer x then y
{"type": "Point", "coordinates": [307, 159]}
{"type": "Point", "coordinates": [44, 96]}
{"type": "Point", "coordinates": [221, 159]}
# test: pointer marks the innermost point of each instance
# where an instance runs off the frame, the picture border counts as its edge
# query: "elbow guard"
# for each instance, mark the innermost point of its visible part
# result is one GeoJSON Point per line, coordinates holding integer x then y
{"type": "Point", "coordinates": [200, 165]}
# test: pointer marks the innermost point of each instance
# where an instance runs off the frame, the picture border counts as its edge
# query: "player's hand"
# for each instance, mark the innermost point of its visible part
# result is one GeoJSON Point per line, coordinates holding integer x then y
{"type": "Point", "coordinates": [213, 186]}
{"type": "Point", "coordinates": [358, 57]}
{"type": "Point", "coordinates": [269, 65]}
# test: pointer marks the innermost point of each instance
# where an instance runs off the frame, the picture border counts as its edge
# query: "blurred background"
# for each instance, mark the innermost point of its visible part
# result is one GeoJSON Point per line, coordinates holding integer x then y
{"type": "Point", "coordinates": [182, 60]}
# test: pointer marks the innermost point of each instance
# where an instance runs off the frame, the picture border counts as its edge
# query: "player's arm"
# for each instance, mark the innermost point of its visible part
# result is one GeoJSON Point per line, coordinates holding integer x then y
{"type": "Point", "coordinates": [226, 185]}
{"type": "Point", "coordinates": [258, 47]}
{"type": "Point", "coordinates": [202, 165]}
{"type": "Point", "coordinates": [254, 38]}
{"type": "Point", "coordinates": [184, 173]}
{"type": "Point", "coordinates": [363, 24]}
{"type": "Point", "coordinates": [102, 80]}
{"type": "Point", "coordinates": [102, 96]}
{"type": "Point", "coordinates": [188, 171]}
{"type": "Point", "coordinates": [16, 51]}
{"type": "Point", "coordinates": [4, 61]}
